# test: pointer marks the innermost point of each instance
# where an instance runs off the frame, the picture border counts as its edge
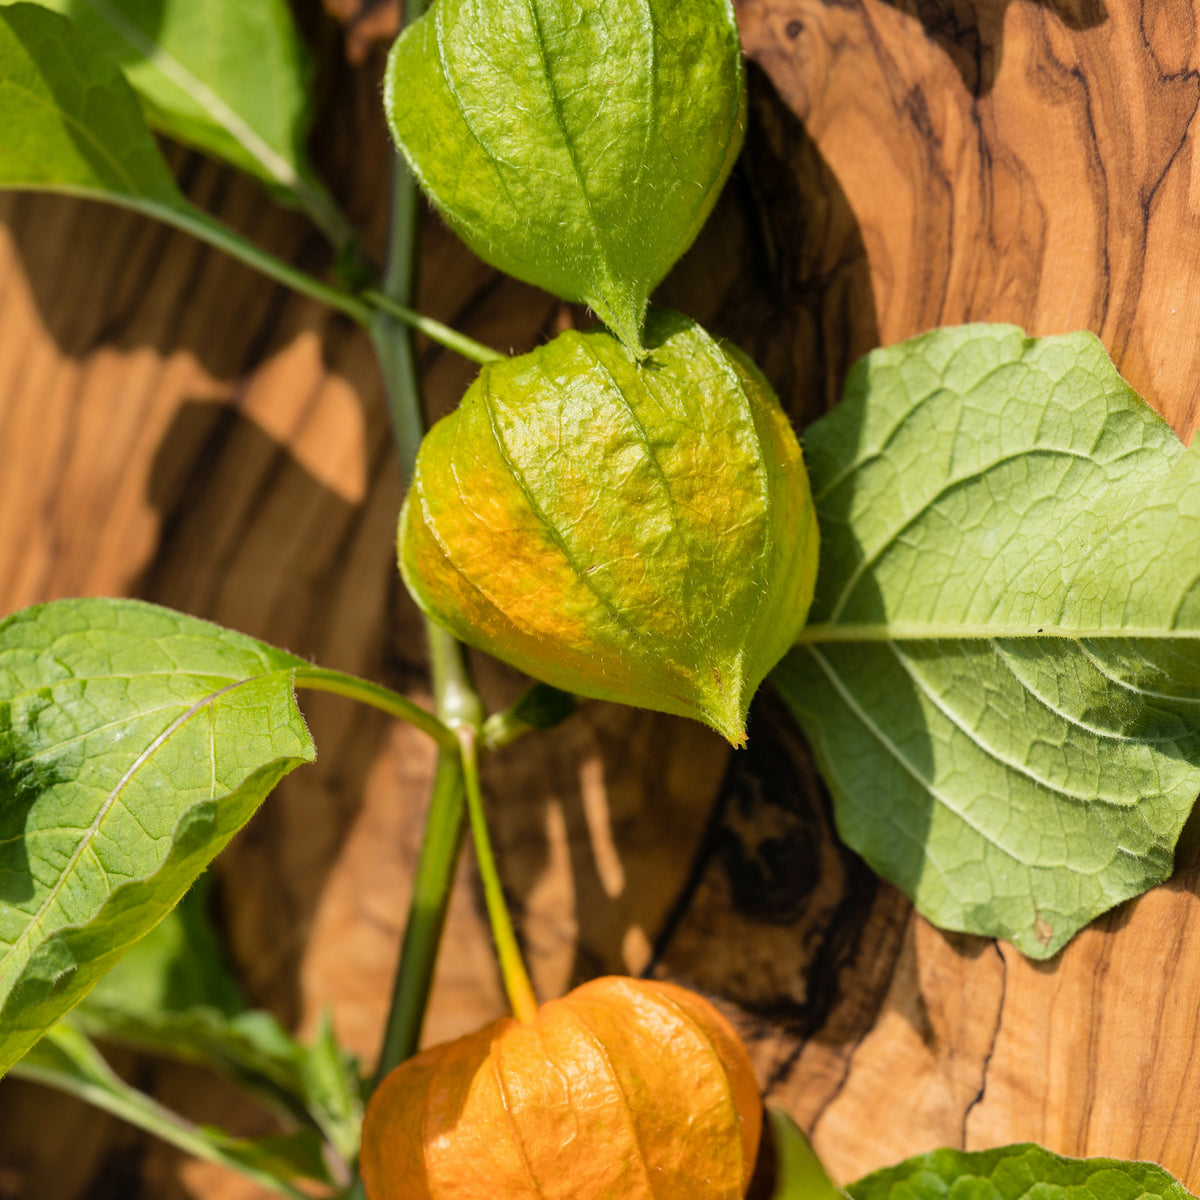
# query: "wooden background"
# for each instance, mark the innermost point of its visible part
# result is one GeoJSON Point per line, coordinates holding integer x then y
{"type": "Point", "coordinates": [173, 427]}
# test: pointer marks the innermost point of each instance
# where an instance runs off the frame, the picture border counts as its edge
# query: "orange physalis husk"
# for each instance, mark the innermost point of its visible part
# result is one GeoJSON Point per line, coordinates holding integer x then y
{"type": "Point", "coordinates": [625, 1089]}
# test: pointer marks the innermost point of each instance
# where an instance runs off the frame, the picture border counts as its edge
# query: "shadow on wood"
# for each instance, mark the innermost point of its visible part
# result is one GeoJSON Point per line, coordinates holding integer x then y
{"type": "Point", "coordinates": [236, 509]}
{"type": "Point", "coordinates": [972, 31]}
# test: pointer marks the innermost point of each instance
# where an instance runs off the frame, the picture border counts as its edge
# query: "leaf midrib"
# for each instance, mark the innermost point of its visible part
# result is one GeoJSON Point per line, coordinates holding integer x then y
{"type": "Point", "coordinates": [89, 836]}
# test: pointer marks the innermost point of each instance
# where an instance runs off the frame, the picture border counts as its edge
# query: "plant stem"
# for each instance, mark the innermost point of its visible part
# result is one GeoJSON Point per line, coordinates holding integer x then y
{"type": "Point", "coordinates": [207, 229]}
{"type": "Point", "coordinates": [321, 679]}
{"type": "Point", "coordinates": [512, 965]}
{"type": "Point", "coordinates": [367, 309]}
{"type": "Point", "coordinates": [451, 338]}
{"type": "Point", "coordinates": [456, 700]}
{"type": "Point", "coordinates": [426, 916]}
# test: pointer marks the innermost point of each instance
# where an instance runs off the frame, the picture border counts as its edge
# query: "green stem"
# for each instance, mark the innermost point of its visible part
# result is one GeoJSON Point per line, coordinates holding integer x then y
{"type": "Point", "coordinates": [200, 225]}
{"type": "Point", "coordinates": [426, 915]}
{"type": "Point", "coordinates": [322, 210]}
{"type": "Point", "coordinates": [107, 1090]}
{"type": "Point", "coordinates": [368, 309]}
{"type": "Point", "coordinates": [443, 334]}
{"type": "Point", "coordinates": [456, 701]}
{"type": "Point", "coordinates": [512, 965]}
{"type": "Point", "coordinates": [321, 679]}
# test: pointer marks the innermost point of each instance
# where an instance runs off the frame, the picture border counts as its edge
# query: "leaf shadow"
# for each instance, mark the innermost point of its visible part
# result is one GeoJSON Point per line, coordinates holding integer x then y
{"type": "Point", "coordinates": [24, 781]}
{"type": "Point", "coordinates": [971, 32]}
{"type": "Point", "coordinates": [103, 277]}
{"type": "Point", "coordinates": [781, 268]}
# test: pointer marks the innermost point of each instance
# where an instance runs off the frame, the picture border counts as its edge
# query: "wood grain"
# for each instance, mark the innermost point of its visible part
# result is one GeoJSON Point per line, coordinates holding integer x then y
{"type": "Point", "coordinates": [173, 427]}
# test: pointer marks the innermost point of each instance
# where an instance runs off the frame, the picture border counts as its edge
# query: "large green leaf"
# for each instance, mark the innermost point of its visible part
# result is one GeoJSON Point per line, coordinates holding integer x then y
{"type": "Point", "coordinates": [1001, 674]}
{"type": "Point", "coordinates": [134, 742]}
{"type": "Point", "coordinates": [1016, 1172]}
{"type": "Point", "coordinates": [576, 144]}
{"type": "Point", "coordinates": [230, 77]}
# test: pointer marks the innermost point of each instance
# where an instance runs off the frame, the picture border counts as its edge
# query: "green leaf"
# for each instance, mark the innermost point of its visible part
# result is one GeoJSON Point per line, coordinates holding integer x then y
{"type": "Point", "coordinates": [798, 1172]}
{"type": "Point", "coordinates": [299, 1154]}
{"type": "Point", "coordinates": [172, 994]}
{"type": "Point", "coordinates": [542, 707]}
{"type": "Point", "coordinates": [577, 146]}
{"type": "Point", "coordinates": [635, 533]}
{"type": "Point", "coordinates": [1016, 1172]}
{"type": "Point", "coordinates": [134, 743]}
{"type": "Point", "coordinates": [72, 122]}
{"type": "Point", "coordinates": [334, 1089]}
{"type": "Point", "coordinates": [66, 1060]}
{"type": "Point", "coordinates": [1001, 674]}
{"type": "Point", "coordinates": [232, 78]}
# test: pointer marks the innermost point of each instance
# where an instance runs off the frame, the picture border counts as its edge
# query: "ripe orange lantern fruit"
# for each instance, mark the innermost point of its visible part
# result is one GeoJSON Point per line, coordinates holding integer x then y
{"type": "Point", "coordinates": [625, 1089]}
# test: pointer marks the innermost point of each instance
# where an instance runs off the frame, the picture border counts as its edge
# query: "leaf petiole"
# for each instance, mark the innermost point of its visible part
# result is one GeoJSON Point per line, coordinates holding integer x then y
{"type": "Point", "coordinates": [214, 233]}
{"type": "Point", "coordinates": [363, 308]}
{"type": "Point", "coordinates": [321, 679]}
{"type": "Point", "coordinates": [435, 330]}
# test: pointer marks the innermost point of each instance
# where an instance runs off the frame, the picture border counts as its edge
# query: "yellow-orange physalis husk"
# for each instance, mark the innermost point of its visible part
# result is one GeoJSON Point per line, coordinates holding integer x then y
{"type": "Point", "coordinates": [625, 1089]}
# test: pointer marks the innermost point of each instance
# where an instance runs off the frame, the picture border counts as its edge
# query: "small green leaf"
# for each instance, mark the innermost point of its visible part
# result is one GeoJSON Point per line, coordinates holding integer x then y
{"type": "Point", "coordinates": [172, 994]}
{"type": "Point", "coordinates": [1014, 1173]}
{"type": "Point", "coordinates": [577, 146]}
{"type": "Point", "coordinates": [229, 77]}
{"type": "Point", "coordinates": [134, 743]}
{"type": "Point", "coordinates": [635, 533]}
{"type": "Point", "coordinates": [1001, 676]}
{"type": "Point", "coordinates": [542, 707]}
{"type": "Point", "coordinates": [299, 1154]}
{"type": "Point", "coordinates": [66, 1060]}
{"type": "Point", "coordinates": [334, 1089]}
{"type": "Point", "coordinates": [798, 1171]}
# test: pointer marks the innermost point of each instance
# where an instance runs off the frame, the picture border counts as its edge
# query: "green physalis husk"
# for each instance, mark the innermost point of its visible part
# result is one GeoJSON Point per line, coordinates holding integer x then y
{"type": "Point", "coordinates": [576, 144]}
{"type": "Point", "coordinates": [638, 533]}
